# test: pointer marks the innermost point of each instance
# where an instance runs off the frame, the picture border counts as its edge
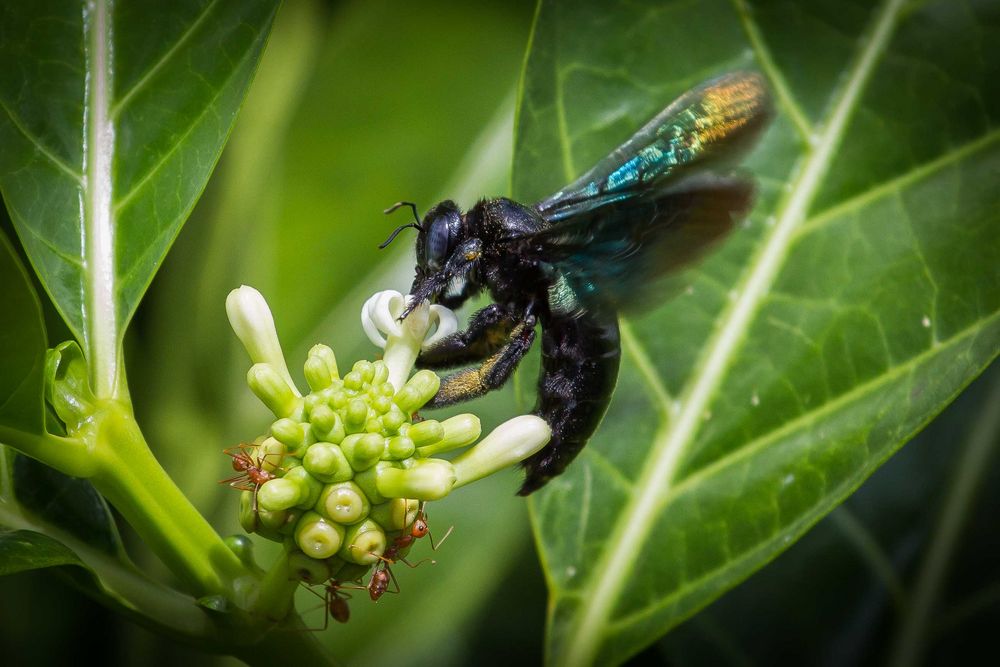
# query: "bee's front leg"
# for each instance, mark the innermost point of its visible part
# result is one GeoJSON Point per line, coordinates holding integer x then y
{"type": "Point", "coordinates": [488, 331]}
{"type": "Point", "coordinates": [492, 373]}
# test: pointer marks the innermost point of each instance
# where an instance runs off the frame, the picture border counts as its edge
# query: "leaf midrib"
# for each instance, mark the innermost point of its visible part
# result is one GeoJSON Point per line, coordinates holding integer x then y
{"type": "Point", "coordinates": [635, 522]}
{"type": "Point", "coordinates": [100, 321]}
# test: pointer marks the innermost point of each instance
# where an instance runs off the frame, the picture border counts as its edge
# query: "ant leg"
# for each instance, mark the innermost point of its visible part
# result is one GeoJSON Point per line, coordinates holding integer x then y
{"type": "Point", "coordinates": [434, 547]}
{"type": "Point", "coordinates": [392, 578]}
{"type": "Point", "coordinates": [418, 563]}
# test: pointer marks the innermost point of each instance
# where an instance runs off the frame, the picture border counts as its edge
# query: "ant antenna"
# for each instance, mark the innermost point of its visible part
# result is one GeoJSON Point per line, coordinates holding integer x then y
{"type": "Point", "coordinates": [395, 233]}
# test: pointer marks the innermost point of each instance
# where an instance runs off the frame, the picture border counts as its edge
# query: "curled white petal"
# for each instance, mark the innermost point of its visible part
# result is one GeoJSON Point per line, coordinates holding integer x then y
{"type": "Point", "coordinates": [368, 323]}
{"type": "Point", "coordinates": [253, 323]}
{"type": "Point", "coordinates": [447, 324]}
{"type": "Point", "coordinates": [402, 340]}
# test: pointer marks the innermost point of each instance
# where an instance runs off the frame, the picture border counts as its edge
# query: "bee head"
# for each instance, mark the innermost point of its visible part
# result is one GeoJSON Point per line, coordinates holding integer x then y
{"type": "Point", "coordinates": [445, 255]}
{"type": "Point", "coordinates": [440, 233]}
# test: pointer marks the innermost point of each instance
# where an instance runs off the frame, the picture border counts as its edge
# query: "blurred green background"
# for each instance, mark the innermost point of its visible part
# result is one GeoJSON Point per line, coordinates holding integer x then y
{"type": "Point", "coordinates": [358, 105]}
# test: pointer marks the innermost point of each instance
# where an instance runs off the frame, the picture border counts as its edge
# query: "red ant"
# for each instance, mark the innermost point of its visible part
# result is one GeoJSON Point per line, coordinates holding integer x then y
{"type": "Point", "coordinates": [251, 469]}
{"type": "Point", "coordinates": [382, 574]}
{"type": "Point", "coordinates": [420, 528]}
{"type": "Point", "coordinates": [334, 602]}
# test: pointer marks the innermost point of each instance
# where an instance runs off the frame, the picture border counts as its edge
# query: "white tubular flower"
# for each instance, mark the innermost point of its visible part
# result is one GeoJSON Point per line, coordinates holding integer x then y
{"type": "Point", "coordinates": [511, 442]}
{"type": "Point", "coordinates": [403, 340]}
{"type": "Point", "coordinates": [251, 319]}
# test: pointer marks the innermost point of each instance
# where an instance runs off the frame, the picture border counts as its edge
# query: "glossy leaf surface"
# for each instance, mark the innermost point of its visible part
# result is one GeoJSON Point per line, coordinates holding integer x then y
{"type": "Point", "coordinates": [112, 115]}
{"type": "Point", "coordinates": [861, 296]}
{"type": "Point", "coordinates": [904, 572]}
{"type": "Point", "coordinates": [22, 347]}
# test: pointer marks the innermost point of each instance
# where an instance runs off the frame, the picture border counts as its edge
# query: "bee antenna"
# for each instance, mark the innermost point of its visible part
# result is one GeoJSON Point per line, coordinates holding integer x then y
{"type": "Point", "coordinates": [396, 232]}
{"type": "Point", "coordinates": [413, 207]}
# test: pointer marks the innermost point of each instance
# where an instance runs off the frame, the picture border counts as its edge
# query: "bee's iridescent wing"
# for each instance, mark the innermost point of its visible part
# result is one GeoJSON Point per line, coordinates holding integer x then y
{"type": "Point", "coordinates": [658, 201]}
{"type": "Point", "coordinates": [706, 127]}
{"type": "Point", "coordinates": [613, 255]}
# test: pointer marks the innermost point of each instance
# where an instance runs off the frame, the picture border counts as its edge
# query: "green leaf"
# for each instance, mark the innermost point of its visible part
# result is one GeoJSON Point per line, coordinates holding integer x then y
{"type": "Point", "coordinates": [859, 299]}
{"type": "Point", "coordinates": [22, 550]}
{"type": "Point", "coordinates": [114, 114]}
{"type": "Point", "coordinates": [844, 589]}
{"type": "Point", "coordinates": [22, 348]}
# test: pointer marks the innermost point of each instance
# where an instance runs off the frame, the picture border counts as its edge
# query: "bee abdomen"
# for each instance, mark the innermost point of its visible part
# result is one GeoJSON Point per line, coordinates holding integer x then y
{"type": "Point", "coordinates": [580, 359]}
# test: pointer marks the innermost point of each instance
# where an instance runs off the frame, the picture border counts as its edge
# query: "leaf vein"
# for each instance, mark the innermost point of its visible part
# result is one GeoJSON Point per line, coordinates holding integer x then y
{"type": "Point", "coordinates": [162, 60]}
{"type": "Point", "coordinates": [48, 153]}
{"type": "Point", "coordinates": [774, 75]}
{"type": "Point", "coordinates": [134, 190]}
{"type": "Point", "coordinates": [886, 188]}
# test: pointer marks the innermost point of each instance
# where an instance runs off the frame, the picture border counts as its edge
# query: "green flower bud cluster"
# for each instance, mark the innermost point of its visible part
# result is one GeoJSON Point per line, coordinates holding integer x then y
{"type": "Point", "coordinates": [344, 468]}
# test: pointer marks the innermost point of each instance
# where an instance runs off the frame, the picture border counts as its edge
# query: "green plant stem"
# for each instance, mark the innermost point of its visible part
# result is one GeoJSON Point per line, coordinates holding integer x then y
{"type": "Point", "coordinates": [70, 456]}
{"type": "Point", "coordinates": [276, 592]}
{"type": "Point", "coordinates": [131, 478]}
{"type": "Point", "coordinates": [291, 644]}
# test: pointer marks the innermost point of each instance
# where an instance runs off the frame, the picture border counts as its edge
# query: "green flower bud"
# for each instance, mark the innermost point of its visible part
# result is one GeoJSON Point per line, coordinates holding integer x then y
{"type": "Point", "coordinates": [270, 453]}
{"type": "Point", "coordinates": [289, 432]}
{"type": "Point", "coordinates": [381, 372]}
{"type": "Point", "coordinates": [248, 518]}
{"type": "Point", "coordinates": [251, 319]}
{"type": "Point", "coordinates": [356, 415]}
{"type": "Point", "coordinates": [311, 402]}
{"type": "Point", "coordinates": [365, 369]}
{"type": "Point", "coordinates": [363, 450]}
{"type": "Point", "coordinates": [459, 431]}
{"type": "Point", "coordinates": [418, 390]}
{"type": "Point", "coordinates": [318, 537]}
{"type": "Point", "coordinates": [338, 399]}
{"type": "Point", "coordinates": [428, 479]}
{"type": "Point", "coordinates": [426, 432]}
{"type": "Point", "coordinates": [279, 494]}
{"type": "Point", "coordinates": [268, 385]}
{"type": "Point", "coordinates": [395, 514]}
{"type": "Point", "coordinates": [322, 420]}
{"type": "Point", "coordinates": [327, 425]}
{"type": "Point", "coordinates": [373, 425]}
{"type": "Point", "coordinates": [326, 462]}
{"type": "Point", "coordinates": [242, 546]}
{"type": "Point", "coordinates": [382, 404]}
{"type": "Point", "coordinates": [353, 381]}
{"type": "Point", "coordinates": [308, 569]}
{"type": "Point", "coordinates": [398, 448]}
{"type": "Point", "coordinates": [276, 520]}
{"type": "Point", "coordinates": [344, 503]}
{"type": "Point", "coordinates": [317, 374]}
{"type": "Point", "coordinates": [366, 480]}
{"type": "Point", "coordinates": [511, 442]}
{"type": "Point", "coordinates": [363, 543]}
{"type": "Point", "coordinates": [309, 486]}
{"type": "Point", "coordinates": [386, 390]}
{"type": "Point", "coordinates": [393, 420]}
{"type": "Point", "coordinates": [324, 353]}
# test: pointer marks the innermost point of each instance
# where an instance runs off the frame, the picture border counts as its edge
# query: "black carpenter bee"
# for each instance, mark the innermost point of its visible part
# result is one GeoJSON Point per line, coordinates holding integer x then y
{"type": "Point", "coordinates": [573, 261]}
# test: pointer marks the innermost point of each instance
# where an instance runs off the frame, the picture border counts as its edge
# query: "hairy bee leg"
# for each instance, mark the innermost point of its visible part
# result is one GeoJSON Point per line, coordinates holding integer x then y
{"type": "Point", "coordinates": [491, 374]}
{"type": "Point", "coordinates": [487, 332]}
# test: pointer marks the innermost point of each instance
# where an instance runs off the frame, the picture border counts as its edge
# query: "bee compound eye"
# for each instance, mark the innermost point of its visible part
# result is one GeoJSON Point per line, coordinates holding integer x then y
{"type": "Point", "coordinates": [438, 243]}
